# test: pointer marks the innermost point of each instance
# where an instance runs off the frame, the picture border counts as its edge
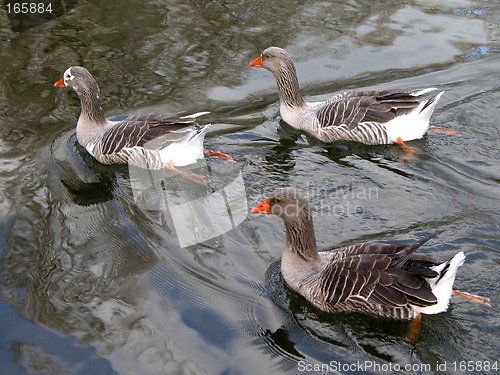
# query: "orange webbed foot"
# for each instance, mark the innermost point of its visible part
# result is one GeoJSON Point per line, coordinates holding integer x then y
{"type": "Point", "coordinates": [409, 151]}
{"type": "Point", "coordinates": [219, 154]}
{"type": "Point", "coordinates": [198, 178]}
{"type": "Point", "coordinates": [413, 328]}
{"type": "Point", "coordinates": [441, 130]}
{"type": "Point", "coordinates": [471, 297]}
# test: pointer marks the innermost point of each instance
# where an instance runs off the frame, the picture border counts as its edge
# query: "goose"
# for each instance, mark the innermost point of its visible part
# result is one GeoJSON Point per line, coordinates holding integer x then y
{"type": "Point", "coordinates": [150, 141]}
{"type": "Point", "coordinates": [367, 116]}
{"type": "Point", "coordinates": [386, 279]}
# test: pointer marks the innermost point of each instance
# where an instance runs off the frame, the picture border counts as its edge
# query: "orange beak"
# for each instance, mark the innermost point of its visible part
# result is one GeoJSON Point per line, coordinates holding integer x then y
{"type": "Point", "coordinates": [262, 208]}
{"type": "Point", "coordinates": [257, 62]}
{"type": "Point", "coordinates": [60, 83]}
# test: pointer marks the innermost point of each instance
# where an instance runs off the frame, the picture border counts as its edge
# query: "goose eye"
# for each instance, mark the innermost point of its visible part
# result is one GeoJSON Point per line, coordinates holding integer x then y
{"type": "Point", "coordinates": [266, 56]}
{"type": "Point", "coordinates": [277, 200]}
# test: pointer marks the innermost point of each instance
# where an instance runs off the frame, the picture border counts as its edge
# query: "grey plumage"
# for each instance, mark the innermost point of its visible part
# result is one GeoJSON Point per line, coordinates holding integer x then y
{"type": "Point", "coordinates": [140, 140]}
{"type": "Point", "coordinates": [386, 279]}
{"type": "Point", "coordinates": [360, 115]}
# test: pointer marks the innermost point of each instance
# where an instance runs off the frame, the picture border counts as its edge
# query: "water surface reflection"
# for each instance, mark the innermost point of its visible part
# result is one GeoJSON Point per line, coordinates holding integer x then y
{"type": "Point", "coordinates": [93, 282]}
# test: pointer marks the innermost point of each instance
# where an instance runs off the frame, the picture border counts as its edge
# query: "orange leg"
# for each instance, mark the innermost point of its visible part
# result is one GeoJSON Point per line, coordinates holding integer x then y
{"type": "Point", "coordinates": [413, 328]}
{"type": "Point", "coordinates": [198, 178]}
{"type": "Point", "coordinates": [218, 154]}
{"type": "Point", "coordinates": [471, 297]}
{"type": "Point", "coordinates": [441, 130]}
{"type": "Point", "coordinates": [407, 149]}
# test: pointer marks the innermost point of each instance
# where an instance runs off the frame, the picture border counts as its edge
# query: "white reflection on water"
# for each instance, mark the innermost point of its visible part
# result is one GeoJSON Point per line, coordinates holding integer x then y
{"type": "Point", "coordinates": [195, 220]}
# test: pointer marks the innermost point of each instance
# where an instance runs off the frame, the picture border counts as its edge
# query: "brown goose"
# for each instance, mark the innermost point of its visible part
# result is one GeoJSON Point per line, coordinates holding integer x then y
{"type": "Point", "coordinates": [150, 141]}
{"type": "Point", "coordinates": [366, 116]}
{"type": "Point", "coordinates": [381, 278]}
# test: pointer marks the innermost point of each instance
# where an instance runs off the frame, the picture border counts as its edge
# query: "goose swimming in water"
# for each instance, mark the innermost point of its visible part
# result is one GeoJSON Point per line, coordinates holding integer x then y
{"type": "Point", "coordinates": [151, 141]}
{"type": "Point", "coordinates": [389, 280]}
{"type": "Point", "coordinates": [368, 116]}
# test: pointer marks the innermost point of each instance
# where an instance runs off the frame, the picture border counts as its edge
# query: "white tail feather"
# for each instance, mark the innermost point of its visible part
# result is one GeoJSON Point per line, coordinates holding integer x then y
{"type": "Point", "coordinates": [428, 107]}
{"type": "Point", "coordinates": [187, 150]}
{"type": "Point", "coordinates": [424, 91]}
{"type": "Point", "coordinates": [442, 285]}
{"type": "Point", "coordinates": [414, 124]}
{"type": "Point", "coordinates": [197, 114]}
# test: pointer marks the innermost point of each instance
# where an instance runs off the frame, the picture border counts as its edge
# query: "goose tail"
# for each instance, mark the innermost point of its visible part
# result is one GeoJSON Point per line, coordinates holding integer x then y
{"type": "Point", "coordinates": [416, 123]}
{"type": "Point", "coordinates": [442, 285]}
{"type": "Point", "coordinates": [427, 107]}
{"type": "Point", "coordinates": [197, 114]}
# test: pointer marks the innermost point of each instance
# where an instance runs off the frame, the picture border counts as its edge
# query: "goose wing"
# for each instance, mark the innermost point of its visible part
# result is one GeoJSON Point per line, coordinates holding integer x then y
{"type": "Point", "coordinates": [351, 108]}
{"type": "Point", "coordinates": [385, 274]}
{"type": "Point", "coordinates": [149, 131]}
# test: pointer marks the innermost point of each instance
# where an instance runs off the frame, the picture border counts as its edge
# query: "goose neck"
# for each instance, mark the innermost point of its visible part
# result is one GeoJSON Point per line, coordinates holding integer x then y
{"type": "Point", "coordinates": [288, 85]}
{"type": "Point", "coordinates": [300, 238]}
{"type": "Point", "coordinates": [92, 111]}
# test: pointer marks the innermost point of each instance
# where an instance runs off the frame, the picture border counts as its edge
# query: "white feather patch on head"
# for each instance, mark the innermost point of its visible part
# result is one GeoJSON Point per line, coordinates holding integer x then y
{"type": "Point", "coordinates": [68, 76]}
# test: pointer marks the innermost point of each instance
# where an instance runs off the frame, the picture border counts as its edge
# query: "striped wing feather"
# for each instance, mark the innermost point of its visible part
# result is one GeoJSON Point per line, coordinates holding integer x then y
{"type": "Point", "coordinates": [150, 131]}
{"type": "Point", "coordinates": [374, 272]}
{"type": "Point", "coordinates": [354, 107]}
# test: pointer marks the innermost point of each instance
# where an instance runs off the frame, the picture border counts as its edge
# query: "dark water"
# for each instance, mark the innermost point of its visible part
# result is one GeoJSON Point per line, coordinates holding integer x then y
{"type": "Point", "coordinates": [93, 281]}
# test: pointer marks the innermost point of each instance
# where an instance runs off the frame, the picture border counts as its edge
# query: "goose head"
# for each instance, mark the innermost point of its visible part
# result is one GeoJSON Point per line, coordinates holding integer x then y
{"type": "Point", "coordinates": [286, 203]}
{"type": "Point", "coordinates": [81, 81]}
{"type": "Point", "coordinates": [274, 59]}
{"type": "Point", "coordinates": [78, 79]}
{"type": "Point", "coordinates": [278, 62]}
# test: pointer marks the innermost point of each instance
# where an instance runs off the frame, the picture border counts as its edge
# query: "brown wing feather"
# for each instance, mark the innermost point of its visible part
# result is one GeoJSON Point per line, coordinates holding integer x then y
{"type": "Point", "coordinates": [353, 275]}
{"type": "Point", "coordinates": [381, 273]}
{"type": "Point", "coordinates": [353, 107]}
{"type": "Point", "coordinates": [152, 131]}
{"type": "Point", "coordinates": [391, 296]}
